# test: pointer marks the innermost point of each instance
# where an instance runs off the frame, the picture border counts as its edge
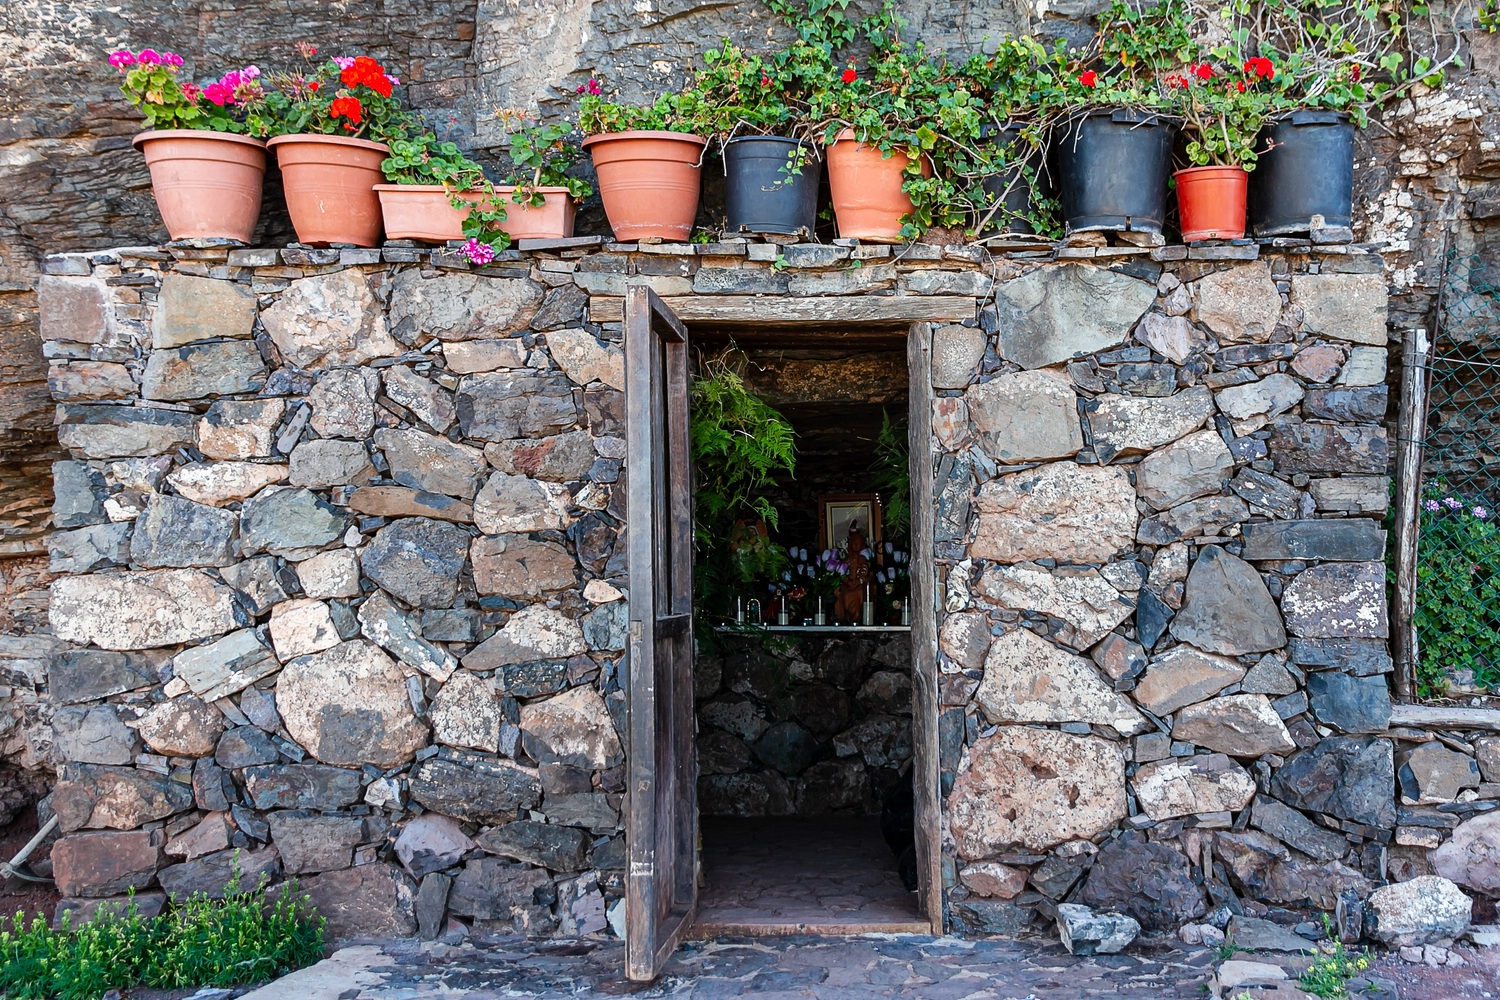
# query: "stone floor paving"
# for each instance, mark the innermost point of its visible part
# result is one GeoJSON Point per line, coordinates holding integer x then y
{"type": "Point", "coordinates": [821, 968]}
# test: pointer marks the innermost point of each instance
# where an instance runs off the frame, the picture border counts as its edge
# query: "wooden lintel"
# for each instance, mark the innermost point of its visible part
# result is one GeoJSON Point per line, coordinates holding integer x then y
{"type": "Point", "coordinates": [1445, 717]}
{"type": "Point", "coordinates": [781, 310]}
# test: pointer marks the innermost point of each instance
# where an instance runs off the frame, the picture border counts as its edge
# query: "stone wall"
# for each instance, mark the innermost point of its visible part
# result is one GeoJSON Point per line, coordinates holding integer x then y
{"type": "Point", "coordinates": [1427, 178]}
{"type": "Point", "coordinates": [803, 726]}
{"type": "Point", "coordinates": [339, 536]}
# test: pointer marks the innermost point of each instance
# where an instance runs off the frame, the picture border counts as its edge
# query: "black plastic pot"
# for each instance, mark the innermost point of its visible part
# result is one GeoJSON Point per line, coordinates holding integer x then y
{"type": "Point", "coordinates": [1019, 197]}
{"type": "Point", "coordinates": [762, 194]}
{"type": "Point", "coordinates": [1305, 179]}
{"type": "Point", "coordinates": [1112, 170]}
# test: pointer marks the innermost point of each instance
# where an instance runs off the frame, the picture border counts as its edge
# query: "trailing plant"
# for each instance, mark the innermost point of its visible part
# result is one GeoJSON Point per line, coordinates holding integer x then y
{"type": "Point", "coordinates": [1018, 87]}
{"type": "Point", "coordinates": [1343, 55]}
{"type": "Point", "coordinates": [424, 159]}
{"type": "Point", "coordinates": [149, 82]}
{"type": "Point", "coordinates": [892, 471]}
{"type": "Point", "coordinates": [1457, 592]}
{"type": "Point", "coordinates": [740, 445]}
{"type": "Point", "coordinates": [244, 938]}
{"type": "Point", "coordinates": [1128, 61]}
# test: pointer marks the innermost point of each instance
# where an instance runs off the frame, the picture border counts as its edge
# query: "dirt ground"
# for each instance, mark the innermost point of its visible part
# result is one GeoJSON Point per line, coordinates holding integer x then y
{"type": "Point", "coordinates": [17, 896]}
{"type": "Point", "coordinates": [1477, 980]}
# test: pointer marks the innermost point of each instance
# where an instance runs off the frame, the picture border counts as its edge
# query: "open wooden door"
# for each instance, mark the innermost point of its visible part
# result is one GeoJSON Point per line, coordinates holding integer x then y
{"type": "Point", "coordinates": [661, 885]}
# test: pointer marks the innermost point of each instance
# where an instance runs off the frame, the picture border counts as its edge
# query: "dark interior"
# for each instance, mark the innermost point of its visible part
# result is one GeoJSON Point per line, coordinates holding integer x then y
{"type": "Point", "coordinates": [805, 741]}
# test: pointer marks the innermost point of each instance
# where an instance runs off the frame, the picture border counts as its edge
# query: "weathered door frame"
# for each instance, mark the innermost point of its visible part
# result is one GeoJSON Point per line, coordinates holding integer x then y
{"type": "Point", "coordinates": [917, 314]}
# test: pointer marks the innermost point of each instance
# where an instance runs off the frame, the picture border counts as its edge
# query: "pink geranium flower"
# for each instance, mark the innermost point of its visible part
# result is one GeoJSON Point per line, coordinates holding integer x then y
{"type": "Point", "coordinates": [122, 58]}
{"type": "Point", "coordinates": [477, 252]}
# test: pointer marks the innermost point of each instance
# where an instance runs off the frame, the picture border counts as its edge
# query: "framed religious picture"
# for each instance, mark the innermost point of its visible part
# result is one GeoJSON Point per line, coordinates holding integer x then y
{"type": "Point", "coordinates": [838, 512]}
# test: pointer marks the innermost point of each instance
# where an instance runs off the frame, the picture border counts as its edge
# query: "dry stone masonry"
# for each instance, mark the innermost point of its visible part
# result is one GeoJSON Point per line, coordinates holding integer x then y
{"type": "Point", "coordinates": [340, 536]}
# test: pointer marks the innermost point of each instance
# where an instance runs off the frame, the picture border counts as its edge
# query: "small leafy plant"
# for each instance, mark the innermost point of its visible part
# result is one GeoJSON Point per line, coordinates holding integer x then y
{"type": "Point", "coordinates": [740, 445]}
{"type": "Point", "coordinates": [541, 154]}
{"type": "Point", "coordinates": [684, 111]}
{"type": "Point", "coordinates": [424, 159]}
{"type": "Point", "coordinates": [1329, 974]}
{"type": "Point", "coordinates": [1458, 591]}
{"type": "Point", "coordinates": [892, 469]}
{"type": "Point", "coordinates": [244, 938]}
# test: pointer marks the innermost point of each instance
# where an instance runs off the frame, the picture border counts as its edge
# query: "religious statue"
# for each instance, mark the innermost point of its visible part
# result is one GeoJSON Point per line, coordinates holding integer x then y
{"type": "Point", "coordinates": [849, 598]}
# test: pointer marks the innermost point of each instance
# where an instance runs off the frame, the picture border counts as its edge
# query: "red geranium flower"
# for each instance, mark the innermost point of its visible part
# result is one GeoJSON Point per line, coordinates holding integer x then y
{"type": "Point", "coordinates": [348, 108]}
{"type": "Point", "coordinates": [1089, 79]}
{"type": "Point", "coordinates": [765, 81]}
{"type": "Point", "coordinates": [1203, 71]}
{"type": "Point", "coordinates": [1241, 86]}
{"type": "Point", "coordinates": [367, 72]}
{"type": "Point", "coordinates": [850, 75]}
{"type": "Point", "coordinates": [1261, 67]}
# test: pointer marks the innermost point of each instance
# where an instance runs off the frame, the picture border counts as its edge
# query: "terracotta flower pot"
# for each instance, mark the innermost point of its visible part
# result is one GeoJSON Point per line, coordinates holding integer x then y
{"type": "Point", "coordinates": [1211, 202]}
{"type": "Point", "coordinates": [865, 186]}
{"type": "Point", "coordinates": [205, 183]}
{"type": "Point", "coordinates": [330, 187]}
{"type": "Point", "coordinates": [421, 212]}
{"type": "Point", "coordinates": [649, 182]}
{"type": "Point", "coordinates": [551, 220]}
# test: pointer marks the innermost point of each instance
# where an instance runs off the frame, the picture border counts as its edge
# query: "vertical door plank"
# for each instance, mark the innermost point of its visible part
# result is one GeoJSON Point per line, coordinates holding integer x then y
{"type": "Point", "coordinates": [924, 591]}
{"type": "Point", "coordinates": [661, 830]}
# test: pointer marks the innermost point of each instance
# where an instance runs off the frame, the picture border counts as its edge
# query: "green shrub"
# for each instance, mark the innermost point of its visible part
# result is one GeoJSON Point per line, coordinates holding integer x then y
{"type": "Point", "coordinates": [243, 938]}
{"type": "Point", "coordinates": [1458, 591]}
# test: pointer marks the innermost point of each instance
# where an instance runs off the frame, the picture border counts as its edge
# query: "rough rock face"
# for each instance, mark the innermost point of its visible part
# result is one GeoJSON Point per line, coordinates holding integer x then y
{"type": "Point", "coordinates": [1035, 788]}
{"type": "Point", "coordinates": [1065, 511]}
{"type": "Point", "coordinates": [1227, 608]}
{"type": "Point", "coordinates": [348, 706]}
{"type": "Point", "coordinates": [329, 320]}
{"type": "Point", "coordinates": [1025, 417]}
{"type": "Point", "coordinates": [141, 610]}
{"type": "Point", "coordinates": [1472, 856]}
{"type": "Point", "coordinates": [1241, 725]}
{"type": "Point", "coordinates": [1051, 315]}
{"type": "Point", "coordinates": [1422, 911]}
{"type": "Point", "coordinates": [1088, 605]}
{"type": "Point", "coordinates": [1151, 882]}
{"type": "Point", "coordinates": [1027, 679]}
{"type": "Point", "coordinates": [1128, 425]}
{"type": "Point", "coordinates": [1182, 786]}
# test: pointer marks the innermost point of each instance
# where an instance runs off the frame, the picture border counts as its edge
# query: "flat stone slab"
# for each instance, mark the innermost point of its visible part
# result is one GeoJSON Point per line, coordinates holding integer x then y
{"type": "Point", "coordinates": [792, 966]}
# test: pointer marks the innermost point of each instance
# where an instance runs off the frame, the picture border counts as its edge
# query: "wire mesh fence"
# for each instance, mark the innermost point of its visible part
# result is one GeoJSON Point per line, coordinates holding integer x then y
{"type": "Point", "coordinates": [1456, 616]}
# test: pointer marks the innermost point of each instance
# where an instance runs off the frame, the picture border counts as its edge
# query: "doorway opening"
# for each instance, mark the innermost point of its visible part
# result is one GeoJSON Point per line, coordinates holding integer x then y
{"type": "Point", "coordinates": [803, 684]}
